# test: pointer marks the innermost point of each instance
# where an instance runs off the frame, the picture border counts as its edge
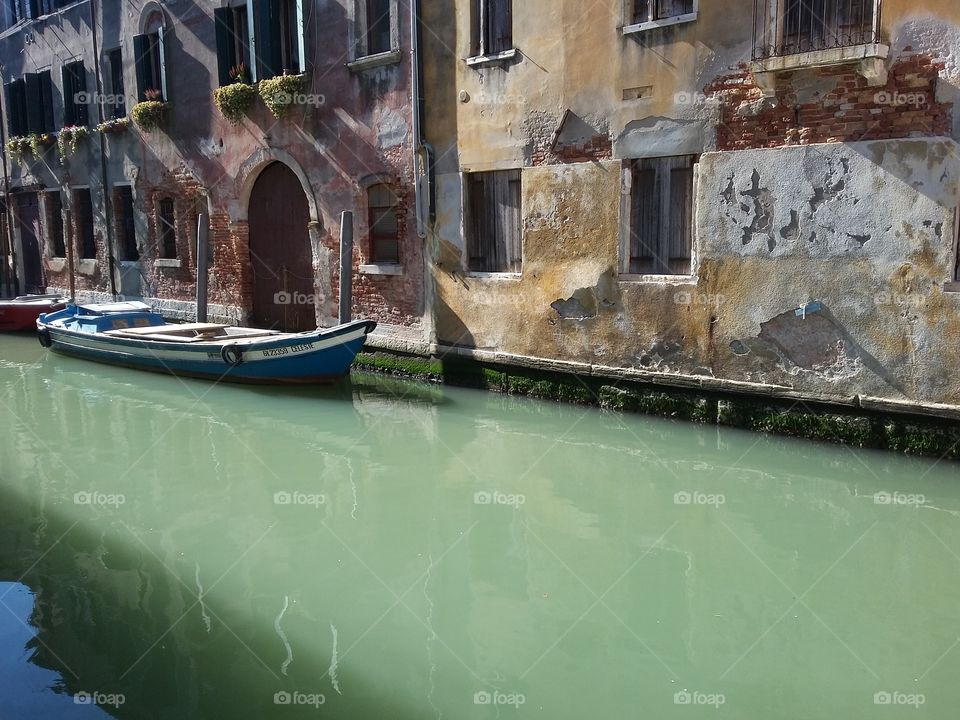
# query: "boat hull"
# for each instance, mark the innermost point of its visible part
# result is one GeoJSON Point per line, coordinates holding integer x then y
{"type": "Point", "coordinates": [19, 316]}
{"type": "Point", "coordinates": [316, 357]}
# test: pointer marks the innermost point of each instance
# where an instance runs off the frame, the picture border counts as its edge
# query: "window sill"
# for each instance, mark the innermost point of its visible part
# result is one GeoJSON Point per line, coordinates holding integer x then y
{"type": "Point", "coordinates": [87, 266]}
{"type": "Point", "coordinates": [56, 264]}
{"type": "Point", "coordinates": [381, 269]}
{"type": "Point", "coordinates": [494, 59]}
{"type": "Point", "coordinates": [655, 24]}
{"type": "Point", "coordinates": [871, 58]}
{"type": "Point", "coordinates": [494, 275]}
{"type": "Point", "coordinates": [952, 287]}
{"type": "Point", "coordinates": [368, 62]}
{"type": "Point", "coordinates": [167, 262]}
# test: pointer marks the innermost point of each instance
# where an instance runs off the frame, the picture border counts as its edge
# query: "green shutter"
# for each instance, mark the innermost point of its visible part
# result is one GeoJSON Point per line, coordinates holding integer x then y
{"type": "Point", "coordinates": [226, 41]}
{"type": "Point", "coordinates": [34, 103]}
{"type": "Point", "coordinates": [141, 56]}
{"type": "Point", "coordinates": [267, 29]}
{"type": "Point", "coordinates": [10, 97]}
{"type": "Point", "coordinates": [46, 100]}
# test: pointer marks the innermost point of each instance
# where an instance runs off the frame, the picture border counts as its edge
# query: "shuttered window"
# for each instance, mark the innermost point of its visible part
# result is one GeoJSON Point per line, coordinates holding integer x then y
{"type": "Point", "coordinates": [55, 224]}
{"type": "Point", "coordinates": [382, 211]}
{"type": "Point", "coordinates": [233, 44]}
{"type": "Point", "coordinates": [166, 229]}
{"type": "Point", "coordinates": [83, 218]}
{"type": "Point", "coordinates": [39, 99]}
{"type": "Point", "coordinates": [492, 26]}
{"type": "Point", "coordinates": [16, 102]}
{"type": "Point", "coordinates": [280, 45]}
{"type": "Point", "coordinates": [126, 228]}
{"type": "Point", "coordinates": [661, 216]}
{"type": "Point", "coordinates": [75, 99]}
{"type": "Point", "coordinates": [117, 106]}
{"type": "Point", "coordinates": [650, 10]}
{"type": "Point", "coordinates": [150, 63]}
{"type": "Point", "coordinates": [493, 224]}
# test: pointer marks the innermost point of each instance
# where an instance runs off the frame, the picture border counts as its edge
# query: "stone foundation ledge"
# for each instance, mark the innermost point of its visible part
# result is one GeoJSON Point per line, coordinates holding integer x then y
{"type": "Point", "coordinates": [911, 428]}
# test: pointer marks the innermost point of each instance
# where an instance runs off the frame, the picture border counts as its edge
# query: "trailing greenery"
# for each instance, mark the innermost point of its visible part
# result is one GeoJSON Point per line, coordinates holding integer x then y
{"type": "Point", "coordinates": [18, 146]}
{"type": "Point", "coordinates": [235, 100]}
{"type": "Point", "coordinates": [116, 125]}
{"type": "Point", "coordinates": [149, 114]}
{"type": "Point", "coordinates": [40, 141]}
{"type": "Point", "coordinates": [68, 139]}
{"type": "Point", "coordinates": [278, 93]}
{"type": "Point", "coordinates": [901, 433]}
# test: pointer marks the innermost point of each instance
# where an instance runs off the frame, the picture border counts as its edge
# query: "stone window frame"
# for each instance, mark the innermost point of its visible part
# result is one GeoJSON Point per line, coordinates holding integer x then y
{"type": "Point", "coordinates": [48, 219]}
{"type": "Point", "coordinates": [160, 259]}
{"type": "Point", "coordinates": [478, 53]}
{"type": "Point", "coordinates": [626, 224]}
{"type": "Point", "coordinates": [630, 27]}
{"type": "Point", "coordinates": [362, 59]}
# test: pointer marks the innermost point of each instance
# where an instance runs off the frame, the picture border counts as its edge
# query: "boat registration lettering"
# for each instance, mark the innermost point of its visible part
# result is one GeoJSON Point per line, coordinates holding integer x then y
{"type": "Point", "coordinates": [300, 348]}
{"type": "Point", "coordinates": [274, 352]}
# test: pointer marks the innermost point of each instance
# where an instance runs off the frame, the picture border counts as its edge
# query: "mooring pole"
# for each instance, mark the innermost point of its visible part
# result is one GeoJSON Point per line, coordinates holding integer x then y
{"type": "Point", "coordinates": [346, 266]}
{"type": "Point", "coordinates": [68, 215]}
{"type": "Point", "coordinates": [202, 235]}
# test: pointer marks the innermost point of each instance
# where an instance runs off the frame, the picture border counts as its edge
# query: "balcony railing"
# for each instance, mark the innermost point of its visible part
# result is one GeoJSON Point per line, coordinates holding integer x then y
{"type": "Point", "coordinates": [790, 27]}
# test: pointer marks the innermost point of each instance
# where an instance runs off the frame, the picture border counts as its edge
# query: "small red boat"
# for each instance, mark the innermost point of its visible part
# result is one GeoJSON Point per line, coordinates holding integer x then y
{"type": "Point", "coordinates": [22, 312]}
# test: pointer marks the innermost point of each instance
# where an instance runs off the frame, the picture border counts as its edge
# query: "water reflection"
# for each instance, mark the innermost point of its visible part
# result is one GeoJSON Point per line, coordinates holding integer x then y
{"type": "Point", "coordinates": [401, 550]}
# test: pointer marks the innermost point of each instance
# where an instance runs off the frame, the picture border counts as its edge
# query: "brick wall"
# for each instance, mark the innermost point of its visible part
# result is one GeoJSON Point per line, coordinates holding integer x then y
{"type": "Point", "coordinates": [850, 111]}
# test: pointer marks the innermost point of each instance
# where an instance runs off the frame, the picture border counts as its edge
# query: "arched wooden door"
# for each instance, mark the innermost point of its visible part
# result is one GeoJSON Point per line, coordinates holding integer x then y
{"type": "Point", "coordinates": [280, 253]}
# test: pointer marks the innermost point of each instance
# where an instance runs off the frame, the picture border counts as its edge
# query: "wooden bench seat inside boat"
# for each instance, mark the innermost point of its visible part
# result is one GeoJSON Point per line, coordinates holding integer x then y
{"type": "Point", "coordinates": [182, 329]}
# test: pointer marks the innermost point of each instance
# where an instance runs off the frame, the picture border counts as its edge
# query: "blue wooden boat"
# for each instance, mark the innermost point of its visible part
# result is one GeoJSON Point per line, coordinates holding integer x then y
{"type": "Point", "coordinates": [130, 334]}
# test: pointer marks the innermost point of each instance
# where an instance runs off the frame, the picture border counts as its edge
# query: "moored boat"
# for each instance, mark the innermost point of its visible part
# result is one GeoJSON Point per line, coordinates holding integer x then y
{"type": "Point", "coordinates": [130, 334]}
{"type": "Point", "coordinates": [21, 313]}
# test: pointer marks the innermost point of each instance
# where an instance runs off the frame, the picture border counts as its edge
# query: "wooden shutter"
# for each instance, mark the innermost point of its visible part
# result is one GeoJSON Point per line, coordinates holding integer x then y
{"type": "Point", "coordinates": [141, 61]}
{"type": "Point", "coordinates": [507, 208]}
{"type": "Point", "coordinates": [267, 30]}
{"type": "Point", "coordinates": [13, 129]}
{"type": "Point", "coordinates": [301, 38]}
{"type": "Point", "coordinates": [681, 212]}
{"type": "Point", "coordinates": [161, 48]}
{"type": "Point", "coordinates": [79, 87]}
{"type": "Point", "coordinates": [498, 26]}
{"type": "Point", "coordinates": [226, 41]}
{"type": "Point", "coordinates": [478, 231]}
{"type": "Point", "coordinates": [46, 101]}
{"type": "Point", "coordinates": [645, 220]}
{"type": "Point", "coordinates": [69, 95]}
{"type": "Point", "coordinates": [34, 103]}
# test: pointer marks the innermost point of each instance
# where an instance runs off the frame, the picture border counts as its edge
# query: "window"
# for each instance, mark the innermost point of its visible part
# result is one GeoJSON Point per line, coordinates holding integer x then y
{"type": "Point", "coordinates": [384, 233]}
{"type": "Point", "coordinates": [647, 11]}
{"type": "Point", "coordinates": [788, 27]}
{"type": "Point", "coordinates": [493, 225]}
{"type": "Point", "coordinates": [492, 26]}
{"type": "Point", "coordinates": [377, 27]}
{"type": "Point", "coordinates": [661, 216]}
{"type": "Point", "coordinates": [279, 43]}
{"type": "Point", "coordinates": [166, 229]}
{"type": "Point", "coordinates": [16, 93]}
{"type": "Point", "coordinates": [55, 243]}
{"type": "Point", "coordinates": [83, 217]}
{"type": "Point", "coordinates": [233, 44]}
{"type": "Point", "coordinates": [126, 229]}
{"type": "Point", "coordinates": [39, 92]}
{"type": "Point", "coordinates": [150, 61]}
{"type": "Point", "coordinates": [75, 97]}
{"type": "Point", "coordinates": [117, 107]}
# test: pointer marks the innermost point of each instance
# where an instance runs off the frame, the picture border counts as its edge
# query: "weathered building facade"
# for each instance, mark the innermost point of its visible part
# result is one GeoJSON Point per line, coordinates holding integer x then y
{"type": "Point", "coordinates": [757, 196]}
{"type": "Point", "coordinates": [272, 185]}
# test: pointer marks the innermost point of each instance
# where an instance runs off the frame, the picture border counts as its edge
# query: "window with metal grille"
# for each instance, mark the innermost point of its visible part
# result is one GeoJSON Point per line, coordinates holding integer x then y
{"type": "Point", "coordinates": [55, 238]}
{"type": "Point", "coordinates": [382, 213]}
{"type": "Point", "coordinates": [651, 10]}
{"type": "Point", "coordinates": [492, 26]}
{"type": "Point", "coordinates": [83, 219]}
{"type": "Point", "coordinates": [493, 221]}
{"type": "Point", "coordinates": [788, 27]}
{"type": "Point", "coordinates": [661, 216]}
{"type": "Point", "coordinates": [166, 229]}
{"type": "Point", "coordinates": [124, 220]}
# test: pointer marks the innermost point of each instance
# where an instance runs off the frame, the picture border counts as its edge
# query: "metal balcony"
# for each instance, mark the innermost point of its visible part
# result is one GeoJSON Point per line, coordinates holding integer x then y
{"type": "Point", "coordinates": [792, 27]}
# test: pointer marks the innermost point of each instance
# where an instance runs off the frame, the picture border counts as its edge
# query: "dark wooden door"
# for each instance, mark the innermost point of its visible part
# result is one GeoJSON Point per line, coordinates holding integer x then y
{"type": "Point", "coordinates": [28, 223]}
{"type": "Point", "coordinates": [280, 253]}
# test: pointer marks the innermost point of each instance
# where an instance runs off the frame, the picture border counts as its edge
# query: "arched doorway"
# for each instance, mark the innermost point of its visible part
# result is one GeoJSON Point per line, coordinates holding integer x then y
{"type": "Point", "coordinates": [280, 252]}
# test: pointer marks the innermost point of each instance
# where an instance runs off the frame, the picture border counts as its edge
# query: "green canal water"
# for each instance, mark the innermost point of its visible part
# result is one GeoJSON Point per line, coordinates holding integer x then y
{"type": "Point", "coordinates": [385, 549]}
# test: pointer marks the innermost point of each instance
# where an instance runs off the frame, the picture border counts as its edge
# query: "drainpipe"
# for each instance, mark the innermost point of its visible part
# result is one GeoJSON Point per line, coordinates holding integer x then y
{"type": "Point", "coordinates": [8, 276]}
{"type": "Point", "coordinates": [417, 105]}
{"type": "Point", "coordinates": [107, 202]}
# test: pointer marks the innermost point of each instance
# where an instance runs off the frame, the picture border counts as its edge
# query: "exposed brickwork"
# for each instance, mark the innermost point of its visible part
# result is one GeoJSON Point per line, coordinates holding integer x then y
{"type": "Point", "coordinates": [850, 112]}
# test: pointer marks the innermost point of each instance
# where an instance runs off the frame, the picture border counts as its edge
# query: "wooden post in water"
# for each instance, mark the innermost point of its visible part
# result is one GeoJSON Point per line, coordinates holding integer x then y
{"type": "Point", "coordinates": [68, 215]}
{"type": "Point", "coordinates": [346, 266]}
{"type": "Point", "coordinates": [202, 234]}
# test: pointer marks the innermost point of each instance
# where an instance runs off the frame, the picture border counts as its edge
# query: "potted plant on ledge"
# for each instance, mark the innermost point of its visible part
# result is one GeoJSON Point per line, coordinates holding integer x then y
{"type": "Point", "coordinates": [279, 93]}
{"type": "Point", "coordinates": [68, 139]}
{"type": "Point", "coordinates": [114, 125]}
{"type": "Point", "coordinates": [150, 113]}
{"type": "Point", "coordinates": [18, 147]}
{"type": "Point", "coordinates": [234, 100]}
{"type": "Point", "coordinates": [41, 141]}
